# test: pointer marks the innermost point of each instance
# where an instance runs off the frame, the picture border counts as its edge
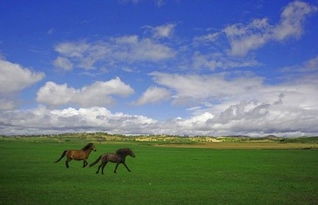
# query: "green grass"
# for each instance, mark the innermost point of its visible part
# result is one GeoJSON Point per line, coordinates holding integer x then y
{"type": "Point", "coordinates": [159, 175]}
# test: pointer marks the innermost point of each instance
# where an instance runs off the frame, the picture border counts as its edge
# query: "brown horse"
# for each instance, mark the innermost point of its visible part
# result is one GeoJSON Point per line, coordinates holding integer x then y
{"type": "Point", "coordinates": [78, 154]}
{"type": "Point", "coordinates": [119, 157]}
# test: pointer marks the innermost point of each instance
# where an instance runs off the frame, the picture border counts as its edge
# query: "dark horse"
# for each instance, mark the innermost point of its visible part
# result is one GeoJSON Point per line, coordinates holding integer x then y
{"type": "Point", "coordinates": [119, 157]}
{"type": "Point", "coordinates": [78, 154]}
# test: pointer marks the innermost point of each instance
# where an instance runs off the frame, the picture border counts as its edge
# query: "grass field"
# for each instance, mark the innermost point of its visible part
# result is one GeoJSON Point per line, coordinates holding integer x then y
{"type": "Point", "coordinates": [160, 175]}
{"type": "Point", "coordinates": [244, 145]}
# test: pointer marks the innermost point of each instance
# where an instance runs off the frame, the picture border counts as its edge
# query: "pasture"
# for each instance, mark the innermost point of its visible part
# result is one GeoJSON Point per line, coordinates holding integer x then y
{"type": "Point", "coordinates": [160, 175]}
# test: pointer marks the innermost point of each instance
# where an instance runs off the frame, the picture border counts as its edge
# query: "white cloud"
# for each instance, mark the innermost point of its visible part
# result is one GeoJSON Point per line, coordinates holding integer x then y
{"type": "Point", "coordinates": [15, 78]}
{"type": "Point", "coordinates": [246, 118]}
{"type": "Point", "coordinates": [133, 48]}
{"type": "Point", "coordinates": [194, 88]}
{"type": "Point", "coordinates": [207, 38]}
{"type": "Point", "coordinates": [153, 95]}
{"type": "Point", "coordinates": [70, 49]}
{"type": "Point", "coordinates": [224, 90]}
{"type": "Point", "coordinates": [96, 94]}
{"type": "Point", "coordinates": [219, 60]}
{"type": "Point", "coordinates": [45, 121]}
{"type": "Point", "coordinates": [64, 63]}
{"type": "Point", "coordinates": [255, 119]}
{"type": "Point", "coordinates": [123, 50]}
{"type": "Point", "coordinates": [197, 121]}
{"type": "Point", "coordinates": [158, 3]}
{"type": "Point", "coordinates": [310, 65]}
{"type": "Point", "coordinates": [54, 94]}
{"type": "Point", "coordinates": [162, 31]}
{"type": "Point", "coordinates": [292, 19]}
{"type": "Point", "coordinates": [244, 38]}
{"type": "Point", "coordinates": [243, 105]}
{"type": "Point", "coordinates": [7, 103]}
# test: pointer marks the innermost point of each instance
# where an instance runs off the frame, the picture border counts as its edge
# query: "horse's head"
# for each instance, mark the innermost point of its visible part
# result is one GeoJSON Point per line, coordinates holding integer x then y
{"type": "Point", "coordinates": [93, 148]}
{"type": "Point", "coordinates": [125, 151]}
{"type": "Point", "coordinates": [89, 146]}
{"type": "Point", "coordinates": [131, 153]}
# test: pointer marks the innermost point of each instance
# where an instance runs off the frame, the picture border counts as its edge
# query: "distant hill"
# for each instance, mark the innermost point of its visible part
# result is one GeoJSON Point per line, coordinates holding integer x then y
{"type": "Point", "coordinates": [105, 137]}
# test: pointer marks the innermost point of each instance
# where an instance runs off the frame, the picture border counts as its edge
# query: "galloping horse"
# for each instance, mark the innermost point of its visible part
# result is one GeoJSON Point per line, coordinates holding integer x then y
{"type": "Point", "coordinates": [119, 157]}
{"type": "Point", "coordinates": [78, 154]}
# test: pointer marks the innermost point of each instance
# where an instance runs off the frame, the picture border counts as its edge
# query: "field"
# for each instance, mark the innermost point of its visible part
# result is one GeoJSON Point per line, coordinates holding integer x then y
{"type": "Point", "coordinates": [160, 175]}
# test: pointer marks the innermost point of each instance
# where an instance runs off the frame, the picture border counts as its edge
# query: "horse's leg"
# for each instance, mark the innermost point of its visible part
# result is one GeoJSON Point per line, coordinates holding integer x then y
{"type": "Point", "coordinates": [104, 164]}
{"type": "Point", "coordinates": [126, 166]}
{"type": "Point", "coordinates": [101, 164]}
{"type": "Point", "coordinates": [84, 163]}
{"type": "Point", "coordinates": [116, 167]}
{"type": "Point", "coordinates": [66, 162]}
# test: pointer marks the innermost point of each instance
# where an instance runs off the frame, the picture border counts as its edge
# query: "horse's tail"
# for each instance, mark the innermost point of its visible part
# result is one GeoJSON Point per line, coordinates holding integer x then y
{"type": "Point", "coordinates": [97, 160]}
{"type": "Point", "coordinates": [63, 154]}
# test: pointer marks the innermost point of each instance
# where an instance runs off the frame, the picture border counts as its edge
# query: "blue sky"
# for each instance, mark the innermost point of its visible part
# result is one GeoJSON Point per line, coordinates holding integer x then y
{"type": "Point", "coordinates": [159, 67]}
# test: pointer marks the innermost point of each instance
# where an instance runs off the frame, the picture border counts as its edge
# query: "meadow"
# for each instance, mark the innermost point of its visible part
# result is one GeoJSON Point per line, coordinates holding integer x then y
{"type": "Point", "coordinates": [160, 175]}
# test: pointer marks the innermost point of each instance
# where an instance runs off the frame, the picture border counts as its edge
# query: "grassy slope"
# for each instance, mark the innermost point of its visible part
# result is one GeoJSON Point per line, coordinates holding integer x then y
{"type": "Point", "coordinates": [160, 176]}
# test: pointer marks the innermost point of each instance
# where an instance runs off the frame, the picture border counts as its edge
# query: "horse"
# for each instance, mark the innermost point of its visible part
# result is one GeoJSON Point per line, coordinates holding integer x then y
{"type": "Point", "coordinates": [78, 154]}
{"type": "Point", "coordinates": [119, 158]}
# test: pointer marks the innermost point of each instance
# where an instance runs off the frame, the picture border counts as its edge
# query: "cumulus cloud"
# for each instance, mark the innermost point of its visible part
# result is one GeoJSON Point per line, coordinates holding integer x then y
{"type": "Point", "coordinates": [46, 121]}
{"type": "Point", "coordinates": [225, 90]}
{"type": "Point", "coordinates": [292, 19]}
{"type": "Point", "coordinates": [153, 95]}
{"type": "Point", "coordinates": [244, 38]}
{"type": "Point", "coordinates": [13, 79]}
{"type": "Point", "coordinates": [253, 118]}
{"type": "Point", "coordinates": [218, 60]}
{"type": "Point", "coordinates": [123, 50]}
{"type": "Point", "coordinates": [64, 63]}
{"type": "Point", "coordinates": [206, 38]}
{"type": "Point", "coordinates": [97, 94]}
{"type": "Point", "coordinates": [193, 88]}
{"type": "Point", "coordinates": [158, 3]}
{"type": "Point", "coordinates": [310, 65]}
{"type": "Point", "coordinates": [243, 105]}
{"type": "Point", "coordinates": [145, 49]}
{"type": "Point", "coordinates": [235, 105]}
{"type": "Point", "coordinates": [162, 31]}
{"type": "Point", "coordinates": [7, 103]}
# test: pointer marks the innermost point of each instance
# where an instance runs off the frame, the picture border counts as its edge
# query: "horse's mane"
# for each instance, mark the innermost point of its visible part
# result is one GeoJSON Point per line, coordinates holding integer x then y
{"type": "Point", "coordinates": [89, 145]}
{"type": "Point", "coordinates": [123, 151]}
